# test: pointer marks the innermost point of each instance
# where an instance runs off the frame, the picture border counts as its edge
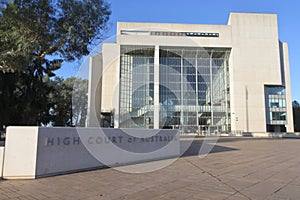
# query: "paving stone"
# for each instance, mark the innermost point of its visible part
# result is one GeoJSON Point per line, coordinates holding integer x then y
{"type": "Point", "coordinates": [237, 197]}
{"type": "Point", "coordinates": [238, 169]}
{"type": "Point", "coordinates": [290, 191]}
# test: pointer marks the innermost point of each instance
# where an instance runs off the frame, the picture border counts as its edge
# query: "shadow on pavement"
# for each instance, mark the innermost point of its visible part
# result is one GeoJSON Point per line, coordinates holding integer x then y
{"type": "Point", "coordinates": [206, 147]}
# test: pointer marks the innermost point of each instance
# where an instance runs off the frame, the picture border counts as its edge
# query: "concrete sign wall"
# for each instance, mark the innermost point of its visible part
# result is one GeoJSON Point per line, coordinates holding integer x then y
{"type": "Point", "coordinates": [32, 152]}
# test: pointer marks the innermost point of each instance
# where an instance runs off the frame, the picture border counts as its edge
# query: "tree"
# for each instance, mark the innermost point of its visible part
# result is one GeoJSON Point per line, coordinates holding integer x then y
{"type": "Point", "coordinates": [79, 100]}
{"type": "Point", "coordinates": [33, 30]}
{"type": "Point", "coordinates": [296, 116]}
{"type": "Point", "coordinates": [59, 110]}
{"type": "Point", "coordinates": [36, 36]}
{"type": "Point", "coordinates": [67, 102]}
{"type": "Point", "coordinates": [295, 104]}
{"type": "Point", "coordinates": [23, 99]}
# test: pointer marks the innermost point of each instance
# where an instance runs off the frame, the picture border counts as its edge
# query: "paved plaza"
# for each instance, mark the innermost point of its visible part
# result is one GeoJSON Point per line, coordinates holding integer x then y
{"type": "Point", "coordinates": [235, 169]}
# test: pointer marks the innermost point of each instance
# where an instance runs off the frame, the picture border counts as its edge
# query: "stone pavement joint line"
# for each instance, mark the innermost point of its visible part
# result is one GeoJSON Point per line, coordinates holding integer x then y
{"type": "Point", "coordinates": [235, 169]}
{"type": "Point", "coordinates": [218, 179]}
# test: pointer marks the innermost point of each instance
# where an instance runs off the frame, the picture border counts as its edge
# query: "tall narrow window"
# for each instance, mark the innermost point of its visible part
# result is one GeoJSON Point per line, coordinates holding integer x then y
{"type": "Point", "coordinates": [275, 108]}
{"type": "Point", "coordinates": [136, 86]}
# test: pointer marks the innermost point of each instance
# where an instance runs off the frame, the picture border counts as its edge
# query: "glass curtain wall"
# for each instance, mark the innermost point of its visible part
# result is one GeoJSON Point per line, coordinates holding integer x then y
{"type": "Point", "coordinates": [136, 86]}
{"type": "Point", "coordinates": [275, 108]}
{"type": "Point", "coordinates": [194, 89]}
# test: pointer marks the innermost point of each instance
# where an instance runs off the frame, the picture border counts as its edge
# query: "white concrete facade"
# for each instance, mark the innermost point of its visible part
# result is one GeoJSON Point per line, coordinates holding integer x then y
{"type": "Point", "coordinates": [257, 61]}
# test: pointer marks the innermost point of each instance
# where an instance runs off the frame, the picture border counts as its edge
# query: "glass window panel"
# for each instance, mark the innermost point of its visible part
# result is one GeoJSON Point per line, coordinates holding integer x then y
{"type": "Point", "coordinates": [136, 92]}
{"type": "Point", "coordinates": [182, 91]}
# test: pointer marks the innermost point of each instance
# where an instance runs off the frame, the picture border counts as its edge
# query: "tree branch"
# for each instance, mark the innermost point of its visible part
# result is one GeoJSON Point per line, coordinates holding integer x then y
{"type": "Point", "coordinates": [5, 53]}
{"type": "Point", "coordinates": [52, 48]}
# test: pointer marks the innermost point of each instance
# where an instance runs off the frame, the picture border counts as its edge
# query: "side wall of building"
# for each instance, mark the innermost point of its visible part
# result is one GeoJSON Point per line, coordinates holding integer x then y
{"type": "Point", "coordinates": [255, 62]}
{"type": "Point", "coordinates": [110, 76]}
{"type": "Point", "coordinates": [287, 83]}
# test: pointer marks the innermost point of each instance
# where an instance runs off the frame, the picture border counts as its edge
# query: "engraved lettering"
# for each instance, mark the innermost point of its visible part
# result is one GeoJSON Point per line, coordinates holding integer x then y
{"type": "Point", "coordinates": [49, 141]}
{"type": "Point", "coordinates": [76, 140]}
{"type": "Point", "coordinates": [66, 141]}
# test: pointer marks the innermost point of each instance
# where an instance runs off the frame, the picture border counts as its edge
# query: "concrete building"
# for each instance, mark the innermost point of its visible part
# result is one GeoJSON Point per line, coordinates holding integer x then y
{"type": "Point", "coordinates": [194, 77]}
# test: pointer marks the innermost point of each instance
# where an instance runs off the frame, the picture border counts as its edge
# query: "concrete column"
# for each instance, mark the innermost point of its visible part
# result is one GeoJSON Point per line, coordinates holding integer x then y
{"type": "Point", "coordinates": [156, 87]}
{"type": "Point", "coordinates": [211, 91]}
{"type": "Point", "coordinates": [225, 92]}
{"type": "Point", "coordinates": [197, 90]}
{"type": "Point", "coordinates": [182, 122]}
{"type": "Point", "coordinates": [94, 91]}
{"type": "Point", "coordinates": [116, 99]}
{"type": "Point", "coordinates": [289, 107]}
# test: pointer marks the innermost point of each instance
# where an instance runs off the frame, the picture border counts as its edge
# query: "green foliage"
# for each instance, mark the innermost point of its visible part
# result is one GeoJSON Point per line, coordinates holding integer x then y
{"type": "Point", "coordinates": [23, 99]}
{"type": "Point", "coordinates": [59, 111]}
{"type": "Point", "coordinates": [56, 102]}
{"type": "Point", "coordinates": [33, 30]}
{"type": "Point", "coordinates": [79, 100]}
{"type": "Point", "coordinates": [36, 37]}
{"type": "Point", "coordinates": [67, 102]}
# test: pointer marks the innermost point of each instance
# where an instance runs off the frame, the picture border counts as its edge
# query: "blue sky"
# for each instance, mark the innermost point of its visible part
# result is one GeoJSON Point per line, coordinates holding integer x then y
{"type": "Point", "coordinates": [210, 12]}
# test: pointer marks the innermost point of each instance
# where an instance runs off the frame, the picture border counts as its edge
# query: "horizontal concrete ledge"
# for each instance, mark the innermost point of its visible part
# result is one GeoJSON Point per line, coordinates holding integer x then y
{"type": "Point", "coordinates": [247, 134]}
{"type": "Point", "coordinates": [271, 135]}
{"type": "Point", "coordinates": [292, 135]}
{"type": "Point", "coordinates": [231, 135]}
{"type": "Point", "coordinates": [262, 135]}
{"type": "Point", "coordinates": [210, 135]}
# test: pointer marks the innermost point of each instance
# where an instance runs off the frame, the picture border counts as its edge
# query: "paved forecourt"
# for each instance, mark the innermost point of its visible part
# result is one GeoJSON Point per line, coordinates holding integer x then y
{"type": "Point", "coordinates": [237, 168]}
